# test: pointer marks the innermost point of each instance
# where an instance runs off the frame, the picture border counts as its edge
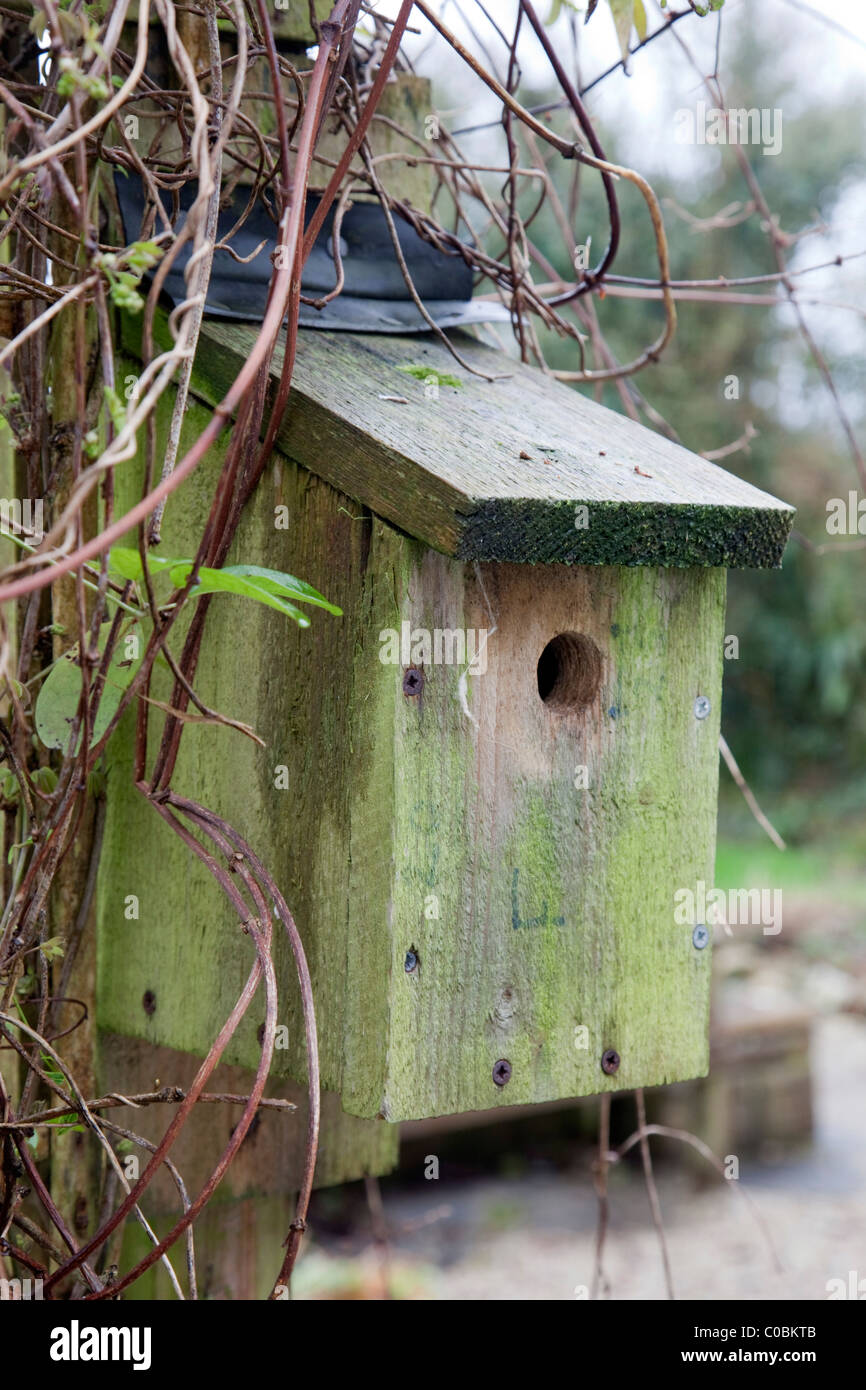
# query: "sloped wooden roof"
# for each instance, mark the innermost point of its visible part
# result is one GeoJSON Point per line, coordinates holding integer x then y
{"type": "Point", "coordinates": [496, 470]}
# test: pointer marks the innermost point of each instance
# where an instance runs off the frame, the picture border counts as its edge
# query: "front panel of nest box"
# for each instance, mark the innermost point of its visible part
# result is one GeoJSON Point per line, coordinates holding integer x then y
{"type": "Point", "coordinates": [541, 805]}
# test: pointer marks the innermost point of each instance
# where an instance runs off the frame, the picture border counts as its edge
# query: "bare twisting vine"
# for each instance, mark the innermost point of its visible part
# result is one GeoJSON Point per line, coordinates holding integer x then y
{"type": "Point", "coordinates": [85, 108]}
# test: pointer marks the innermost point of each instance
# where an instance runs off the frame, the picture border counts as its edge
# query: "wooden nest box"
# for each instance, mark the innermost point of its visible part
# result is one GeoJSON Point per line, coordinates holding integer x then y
{"type": "Point", "coordinates": [482, 786]}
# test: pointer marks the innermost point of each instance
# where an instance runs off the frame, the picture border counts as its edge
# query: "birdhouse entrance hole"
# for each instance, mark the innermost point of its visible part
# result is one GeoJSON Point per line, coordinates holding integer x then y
{"type": "Point", "coordinates": [569, 672]}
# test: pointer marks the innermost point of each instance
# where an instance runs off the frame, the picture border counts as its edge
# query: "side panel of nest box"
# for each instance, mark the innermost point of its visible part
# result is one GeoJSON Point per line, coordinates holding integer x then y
{"type": "Point", "coordinates": [172, 957]}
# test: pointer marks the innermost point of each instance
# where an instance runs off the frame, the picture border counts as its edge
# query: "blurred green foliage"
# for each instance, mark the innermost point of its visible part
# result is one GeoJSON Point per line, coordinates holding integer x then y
{"type": "Point", "coordinates": [795, 700]}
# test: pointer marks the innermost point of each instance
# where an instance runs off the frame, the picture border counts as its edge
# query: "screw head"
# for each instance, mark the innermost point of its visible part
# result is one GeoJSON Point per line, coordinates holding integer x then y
{"type": "Point", "coordinates": [148, 1002]}
{"type": "Point", "coordinates": [502, 1072]}
{"type": "Point", "coordinates": [702, 707]}
{"type": "Point", "coordinates": [413, 681]}
{"type": "Point", "coordinates": [411, 962]}
{"type": "Point", "coordinates": [700, 937]}
{"type": "Point", "coordinates": [610, 1061]}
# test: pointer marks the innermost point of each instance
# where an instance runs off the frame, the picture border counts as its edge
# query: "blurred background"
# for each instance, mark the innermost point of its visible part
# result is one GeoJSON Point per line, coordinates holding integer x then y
{"type": "Point", "coordinates": [512, 1213]}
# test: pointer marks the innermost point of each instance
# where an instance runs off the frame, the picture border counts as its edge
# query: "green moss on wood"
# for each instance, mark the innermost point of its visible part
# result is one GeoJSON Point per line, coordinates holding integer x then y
{"type": "Point", "coordinates": [294, 687]}
{"type": "Point", "coordinates": [596, 946]}
{"type": "Point", "coordinates": [395, 800]}
{"type": "Point", "coordinates": [625, 533]}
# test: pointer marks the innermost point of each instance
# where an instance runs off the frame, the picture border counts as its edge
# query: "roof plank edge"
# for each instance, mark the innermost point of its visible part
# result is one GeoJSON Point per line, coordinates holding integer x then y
{"type": "Point", "coordinates": [508, 470]}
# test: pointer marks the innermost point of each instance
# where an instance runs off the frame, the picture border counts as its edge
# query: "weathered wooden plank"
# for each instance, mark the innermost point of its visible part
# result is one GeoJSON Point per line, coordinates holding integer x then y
{"type": "Point", "coordinates": [540, 914]}
{"type": "Point", "coordinates": [270, 1160]}
{"type": "Point", "coordinates": [183, 948]}
{"type": "Point", "coordinates": [449, 466]}
{"type": "Point", "coordinates": [239, 1250]}
{"type": "Point", "coordinates": [290, 19]}
{"type": "Point", "coordinates": [405, 104]}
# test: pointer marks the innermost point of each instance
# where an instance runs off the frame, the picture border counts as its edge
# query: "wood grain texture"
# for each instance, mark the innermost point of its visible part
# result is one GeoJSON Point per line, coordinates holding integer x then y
{"type": "Point", "coordinates": [290, 22]}
{"type": "Point", "coordinates": [239, 1249]}
{"type": "Point", "coordinates": [447, 467]}
{"type": "Point", "coordinates": [270, 1161]}
{"type": "Point", "coordinates": [405, 104]}
{"type": "Point", "coordinates": [554, 904]}
{"type": "Point", "coordinates": [292, 686]}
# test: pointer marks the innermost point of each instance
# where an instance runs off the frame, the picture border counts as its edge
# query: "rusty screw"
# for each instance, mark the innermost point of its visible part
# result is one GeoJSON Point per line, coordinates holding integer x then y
{"type": "Point", "coordinates": [148, 1002]}
{"type": "Point", "coordinates": [610, 1062]}
{"type": "Point", "coordinates": [502, 1072]}
{"type": "Point", "coordinates": [413, 681]}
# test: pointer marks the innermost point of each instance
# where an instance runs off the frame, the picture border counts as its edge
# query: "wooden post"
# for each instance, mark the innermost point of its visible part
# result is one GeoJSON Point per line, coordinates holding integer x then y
{"type": "Point", "coordinates": [274, 818]}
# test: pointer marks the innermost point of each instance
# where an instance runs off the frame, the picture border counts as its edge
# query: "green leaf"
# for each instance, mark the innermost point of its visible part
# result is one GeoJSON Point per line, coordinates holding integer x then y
{"type": "Point", "coordinates": [270, 587]}
{"type": "Point", "coordinates": [219, 582]}
{"type": "Point", "coordinates": [640, 20]}
{"type": "Point", "coordinates": [57, 704]}
{"type": "Point", "coordinates": [278, 583]}
{"type": "Point", "coordinates": [127, 563]}
{"type": "Point", "coordinates": [45, 778]}
{"type": "Point", "coordinates": [622, 11]}
{"type": "Point", "coordinates": [142, 255]}
{"type": "Point", "coordinates": [49, 1066]}
{"type": "Point", "coordinates": [59, 697]}
{"type": "Point", "coordinates": [116, 408]}
{"type": "Point", "coordinates": [9, 788]}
